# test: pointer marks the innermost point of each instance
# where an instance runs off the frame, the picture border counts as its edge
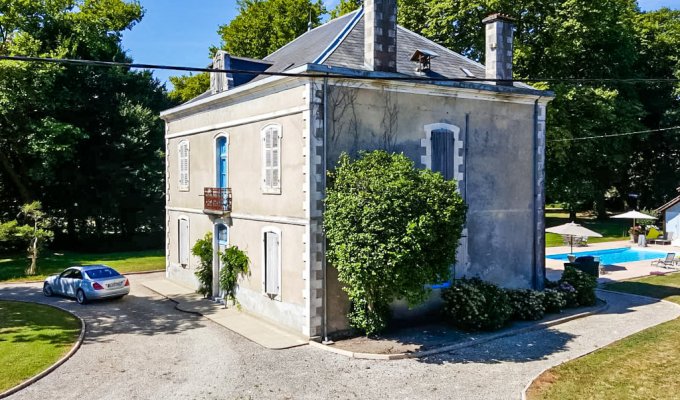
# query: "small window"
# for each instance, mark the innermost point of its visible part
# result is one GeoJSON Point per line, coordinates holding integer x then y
{"type": "Point", "coordinates": [443, 149]}
{"type": "Point", "coordinates": [271, 159]}
{"type": "Point", "coordinates": [272, 263]}
{"type": "Point", "coordinates": [183, 242]}
{"type": "Point", "coordinates": [183, 151]}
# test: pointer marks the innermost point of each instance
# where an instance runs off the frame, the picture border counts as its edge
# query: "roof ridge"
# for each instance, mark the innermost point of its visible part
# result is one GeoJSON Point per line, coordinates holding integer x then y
{"type": "Point", "coordinates": [310, 31]}
{"type": "Point", "coordinates": [340, 37]}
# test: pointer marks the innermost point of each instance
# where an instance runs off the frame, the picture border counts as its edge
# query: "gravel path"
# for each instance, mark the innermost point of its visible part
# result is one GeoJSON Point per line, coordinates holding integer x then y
{"type": "Point", "coordinates": [142, 348]}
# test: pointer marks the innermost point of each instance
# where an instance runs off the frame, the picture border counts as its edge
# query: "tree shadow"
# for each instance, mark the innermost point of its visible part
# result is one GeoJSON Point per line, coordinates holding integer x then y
{"type": "Point", "coordinates": [131, 315]}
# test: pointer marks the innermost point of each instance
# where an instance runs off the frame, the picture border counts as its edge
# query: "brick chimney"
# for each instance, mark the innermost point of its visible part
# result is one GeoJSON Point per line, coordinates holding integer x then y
{"type": "Point", "coordinates": [380, 35]}
{"type": "Point", "coordinates": [499, 32]}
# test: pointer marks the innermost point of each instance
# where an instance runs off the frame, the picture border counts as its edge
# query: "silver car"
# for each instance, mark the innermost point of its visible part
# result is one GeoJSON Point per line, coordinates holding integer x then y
{"type": "Point", "coordinates": [87, 282]}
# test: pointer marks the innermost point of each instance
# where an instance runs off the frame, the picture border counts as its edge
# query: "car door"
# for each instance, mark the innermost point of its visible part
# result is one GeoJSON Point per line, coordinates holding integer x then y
{"type": "Point", "coordinates": [66, 281]}
{"type": "Point", "coordinates": [75, 280]}
{"type": "Point", "coordinates": [60, 281]}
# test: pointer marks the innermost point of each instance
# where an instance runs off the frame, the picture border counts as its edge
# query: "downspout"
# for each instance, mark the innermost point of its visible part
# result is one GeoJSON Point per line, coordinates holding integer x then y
{"type": "Point", "coordinates": [323, 242]}
{"type": "Point", "coordinates": [536, 283]}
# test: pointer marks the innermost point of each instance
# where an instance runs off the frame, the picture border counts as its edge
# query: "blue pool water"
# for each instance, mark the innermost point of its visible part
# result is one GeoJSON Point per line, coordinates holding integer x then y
{"type": "Point", "coordinates": [614, 256]}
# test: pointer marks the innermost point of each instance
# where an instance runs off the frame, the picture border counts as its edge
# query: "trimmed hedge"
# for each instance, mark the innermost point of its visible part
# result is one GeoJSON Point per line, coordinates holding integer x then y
{"type": "Point", "coordinates": [584, 285]}
{"type": "Point", "coordinates": [554, 301]}
{"type": "Point", "coordinates": [472, 304]}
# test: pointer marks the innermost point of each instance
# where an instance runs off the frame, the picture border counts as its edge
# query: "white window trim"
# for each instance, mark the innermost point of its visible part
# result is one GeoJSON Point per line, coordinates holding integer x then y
{"type": "Point", "coordinates": [179, 241]}
{"type": "Point", "coordinates": [263, 257]}
{"type": "Point", "coordinates": [270, 189]}
{"type": "Point", "coordinates": [426, 160]}
{"type": "Point", "coordinates": [215, 138]}
{"type": "Point", "coordinates": [183, 186]}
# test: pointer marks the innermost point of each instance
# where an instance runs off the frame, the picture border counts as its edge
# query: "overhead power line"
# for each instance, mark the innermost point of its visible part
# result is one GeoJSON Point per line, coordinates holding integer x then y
{"type": "Point", "coordinates": [329, 73]}
{"type": "Point", "coordinates": [660, 130]}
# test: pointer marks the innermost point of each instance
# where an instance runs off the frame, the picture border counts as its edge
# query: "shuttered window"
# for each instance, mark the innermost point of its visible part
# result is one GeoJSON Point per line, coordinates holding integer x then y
{"type": "Point", "coordinates": [183, 150]}
{"type": "Point", "coordinates": [272, 263]}
{"type": "Point", "coordinates": [442, 152]}
{"type": "Point", "coordinates": [183, 241]}
{"type": "Point", "coordinates": [271, 159]}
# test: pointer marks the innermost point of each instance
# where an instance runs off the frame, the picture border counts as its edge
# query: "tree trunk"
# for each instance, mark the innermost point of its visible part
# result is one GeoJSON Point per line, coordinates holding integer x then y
{"type": "Point", "coordinates": [33, 269]}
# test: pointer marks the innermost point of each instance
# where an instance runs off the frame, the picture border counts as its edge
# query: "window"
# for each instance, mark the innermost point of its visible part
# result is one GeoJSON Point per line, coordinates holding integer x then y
{"type": "Point", "coordinates": [221, 152]}
{"type": "Point", "coordinates": [443, 152]}
{"type": "Point", "coordinates": [272, 261]}
{"type": "Point", "coordinates": [183, 150]}
{"type": "Point", "coordinates": [271, 159]}
{"type": "Point", "coordinates": [183, 241]}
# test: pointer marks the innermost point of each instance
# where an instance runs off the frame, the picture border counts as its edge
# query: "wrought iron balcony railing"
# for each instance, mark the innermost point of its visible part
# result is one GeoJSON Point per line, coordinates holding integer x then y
{"type": "Point", "coordinates": [216, 200]}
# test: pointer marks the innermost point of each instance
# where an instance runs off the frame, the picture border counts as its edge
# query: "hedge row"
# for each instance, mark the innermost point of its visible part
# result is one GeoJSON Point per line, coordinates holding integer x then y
{"type": "Point", "coordinates": [472, 304]}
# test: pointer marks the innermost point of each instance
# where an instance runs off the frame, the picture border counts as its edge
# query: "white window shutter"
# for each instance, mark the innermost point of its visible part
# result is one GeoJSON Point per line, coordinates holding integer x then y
{"type": "Point", "coordinates": [183, 151]}
{"type": "Point", "coordinates": [271, 159]}
{"type": "Point", "coordinates": [272, 278]}
{"type": "Point", "coordinates": [183, 241]}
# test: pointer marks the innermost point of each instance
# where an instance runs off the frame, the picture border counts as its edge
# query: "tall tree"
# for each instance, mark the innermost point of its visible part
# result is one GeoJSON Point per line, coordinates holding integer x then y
{"type": "Point", "coordinates": [86, 141]}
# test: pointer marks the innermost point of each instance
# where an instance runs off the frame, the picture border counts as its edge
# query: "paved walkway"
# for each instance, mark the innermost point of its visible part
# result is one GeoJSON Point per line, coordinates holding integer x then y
{"type": "Point", "coordinates": [259, 331]}
{"type": "Point", "coordinates": [141, 347]}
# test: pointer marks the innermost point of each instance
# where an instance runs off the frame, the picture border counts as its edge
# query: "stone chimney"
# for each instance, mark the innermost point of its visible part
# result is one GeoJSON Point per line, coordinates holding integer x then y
{"type": "Point", "coordinates": [499, 32]}
{"type": "Point", "coordinates": [221, 81]}
{"type": "Point", "coordinates": [380, 35]}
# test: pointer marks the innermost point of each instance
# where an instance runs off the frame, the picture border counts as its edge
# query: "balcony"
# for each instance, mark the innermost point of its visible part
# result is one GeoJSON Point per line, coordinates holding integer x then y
{"type": "Point", "coordinates": [216, 201]}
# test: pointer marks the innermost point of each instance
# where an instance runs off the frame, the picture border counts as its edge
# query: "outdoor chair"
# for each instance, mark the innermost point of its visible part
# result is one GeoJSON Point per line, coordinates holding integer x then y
{"type": "Point", "coordinates": [668, 262]}
{"type": "Point", "coordinates": [586, 264]}
{"type": "Point", "coordinates": [668, 237]}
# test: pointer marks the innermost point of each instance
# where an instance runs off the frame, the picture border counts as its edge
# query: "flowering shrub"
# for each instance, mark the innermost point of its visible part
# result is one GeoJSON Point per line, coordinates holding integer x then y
{"type": "Point", "coordinates": [472, 304]}
{"type": "Point", "coordinates": [554, 300]}
{"type": "Point", "coordinates": [527, 304]}
{"type": "Point", "coordinates": [584, 284]}
{"type": "Point", "coordinates": [569, 294]}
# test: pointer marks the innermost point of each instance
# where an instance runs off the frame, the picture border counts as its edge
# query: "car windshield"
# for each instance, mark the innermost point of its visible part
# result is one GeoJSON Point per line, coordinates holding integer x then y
{"type": "Point", "coordinates": [101, 273]}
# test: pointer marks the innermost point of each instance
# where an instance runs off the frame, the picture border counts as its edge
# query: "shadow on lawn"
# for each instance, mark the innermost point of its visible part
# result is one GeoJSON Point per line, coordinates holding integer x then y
{"type": "Point", "coordinates": [644, 289]}
{"type": "Point", "coordinates": [131, 315]}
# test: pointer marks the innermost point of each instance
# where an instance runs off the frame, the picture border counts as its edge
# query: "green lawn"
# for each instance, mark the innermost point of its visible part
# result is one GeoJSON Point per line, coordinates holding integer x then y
{"type": "Point", "coordinates": [642, 366]}
{"type": "Point", "coordinates": [32, 337]}
{"type": "Point", "coordinates": [12, 269]}
{"type": "Point", "coordinates": [611, 229]}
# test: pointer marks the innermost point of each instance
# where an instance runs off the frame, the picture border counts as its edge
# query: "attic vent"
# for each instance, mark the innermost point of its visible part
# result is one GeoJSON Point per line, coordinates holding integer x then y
{"type": "Point", "coordinates": [423, 58]}
{"type": "Point", "coordinates": [467, 72]}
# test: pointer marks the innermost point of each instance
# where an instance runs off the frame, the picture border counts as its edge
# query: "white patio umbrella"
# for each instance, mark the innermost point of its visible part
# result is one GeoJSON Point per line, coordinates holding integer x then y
{"type": "Point", "coordinates": [572, 230]}
{"type": "Point", "coordinates": [633, 215]}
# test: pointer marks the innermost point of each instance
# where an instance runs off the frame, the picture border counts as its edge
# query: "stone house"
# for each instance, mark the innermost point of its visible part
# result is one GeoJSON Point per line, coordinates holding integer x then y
{"type": "Point", "coordinates": [247, 160]}
{"type": "Point", "coordinates": [670, 219]}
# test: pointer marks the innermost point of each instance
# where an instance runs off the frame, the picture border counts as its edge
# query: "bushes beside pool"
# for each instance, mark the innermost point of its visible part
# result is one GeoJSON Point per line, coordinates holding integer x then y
{"type": "Point", "coordinates": [473, 304]}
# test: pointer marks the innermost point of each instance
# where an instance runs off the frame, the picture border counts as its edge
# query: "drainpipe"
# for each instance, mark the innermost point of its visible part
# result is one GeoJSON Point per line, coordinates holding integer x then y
{"type": "Point", "coordinates": [324, 266]}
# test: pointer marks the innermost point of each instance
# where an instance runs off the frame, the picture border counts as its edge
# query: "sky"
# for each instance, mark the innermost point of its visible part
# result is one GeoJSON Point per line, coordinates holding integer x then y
{"type": "Point", "coordinates": [177, 32]}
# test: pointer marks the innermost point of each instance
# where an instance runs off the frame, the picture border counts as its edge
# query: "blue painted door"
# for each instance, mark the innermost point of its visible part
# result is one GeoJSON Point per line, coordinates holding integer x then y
{"type": "Point", "coordinates": [222, 177]}
{"type": "Point", "coordinates": [222, 234]}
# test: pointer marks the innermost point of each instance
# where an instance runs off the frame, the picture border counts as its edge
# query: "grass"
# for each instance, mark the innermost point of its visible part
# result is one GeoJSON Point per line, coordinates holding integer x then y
{"type": "Point", "coordinates": [12, 269]}
{"type": "Point", "coordinates": [32, 337]}
{"type": "Point", "coordinates": [610, 229]}
{"type": "Point", "coordinates": [645, 365]}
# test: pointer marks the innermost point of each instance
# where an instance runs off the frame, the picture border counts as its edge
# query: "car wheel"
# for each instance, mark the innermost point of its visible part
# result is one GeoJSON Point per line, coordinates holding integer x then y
{"type": "Point", "coordinates": [47, 290]}
{"type": "Point", "coordinates": [80, 297]}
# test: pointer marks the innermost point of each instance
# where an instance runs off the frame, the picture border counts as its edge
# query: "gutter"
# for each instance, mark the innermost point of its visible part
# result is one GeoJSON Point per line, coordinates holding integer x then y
{"type": "Point", "coordinates": [324, 265]}
{"type": "Point", "coordinates": [537, 282]}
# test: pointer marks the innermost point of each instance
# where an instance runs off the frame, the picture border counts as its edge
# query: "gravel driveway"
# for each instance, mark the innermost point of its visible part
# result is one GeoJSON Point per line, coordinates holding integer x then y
{"type": "Point", "coordinates": [142, 348]}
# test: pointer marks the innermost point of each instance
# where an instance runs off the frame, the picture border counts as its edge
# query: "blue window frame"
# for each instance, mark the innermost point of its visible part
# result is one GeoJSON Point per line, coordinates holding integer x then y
{"type": "Point", "coordinates": [222, 165]}
{"type": "Point", "coordinates": [222, 235]}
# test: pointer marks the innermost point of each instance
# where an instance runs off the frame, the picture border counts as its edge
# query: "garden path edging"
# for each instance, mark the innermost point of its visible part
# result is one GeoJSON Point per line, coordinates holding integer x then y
{"type": "Point", "coordinates": [528, 385]}
{"type": "Point", "coordinates": [59, 362]}
{"type": "Point", "coordinates": [461, 345]}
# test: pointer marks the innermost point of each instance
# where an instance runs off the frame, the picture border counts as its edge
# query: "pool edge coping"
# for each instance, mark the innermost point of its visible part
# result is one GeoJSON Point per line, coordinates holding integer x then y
{"type": "Point", "coordinates": [56, 364]}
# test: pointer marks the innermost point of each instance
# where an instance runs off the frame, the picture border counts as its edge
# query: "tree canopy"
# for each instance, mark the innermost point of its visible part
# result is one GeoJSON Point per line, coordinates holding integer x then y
{"type": "Point", "coordinates": [86, 141]}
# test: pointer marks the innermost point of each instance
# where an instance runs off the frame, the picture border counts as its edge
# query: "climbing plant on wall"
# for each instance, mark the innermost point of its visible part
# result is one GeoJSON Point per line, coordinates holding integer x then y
{"type": "Point", "coordinates": [235, 264]}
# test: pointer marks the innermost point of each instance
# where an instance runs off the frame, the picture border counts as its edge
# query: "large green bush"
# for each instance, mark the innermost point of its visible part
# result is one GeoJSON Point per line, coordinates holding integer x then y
{"type": "Point", "coordinates": [472, 304]}
{"type": "Point", "coordinates": [203, 249]}
{"type": "Point", "coordinates": [527, 304]}
{"type": "Point", "coordinates": [391, 229]}
{"type": "Point", "coordinates": [583, 283]}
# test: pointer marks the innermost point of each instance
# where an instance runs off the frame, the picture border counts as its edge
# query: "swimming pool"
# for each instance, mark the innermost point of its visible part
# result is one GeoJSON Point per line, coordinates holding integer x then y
{"type": "Point", "coordinates": [614, 256]}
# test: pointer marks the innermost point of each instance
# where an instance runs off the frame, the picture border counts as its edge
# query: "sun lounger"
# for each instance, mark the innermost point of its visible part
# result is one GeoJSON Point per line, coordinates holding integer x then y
{"type": "Point", "coordinates": [668, 262]}
{"type": "Point", "coordinates": [667, 239]}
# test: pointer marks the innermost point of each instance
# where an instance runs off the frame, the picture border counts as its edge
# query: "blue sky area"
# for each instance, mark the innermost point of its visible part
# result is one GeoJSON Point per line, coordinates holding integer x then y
{"type": "Point", "coordinates": [177, 32]}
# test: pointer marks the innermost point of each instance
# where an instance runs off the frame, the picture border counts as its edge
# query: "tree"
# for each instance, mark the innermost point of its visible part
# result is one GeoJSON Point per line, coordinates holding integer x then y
{"type": "Point", "coordinates": [35, 233]}
{"type": "Point", "coordinates": [203, 249]}
{"type": "Point", "coordinates": [73, 129]}
{"type": "Point", "coordinates": [345, 7]}
{"type": "Point", "coordinates": [235, 264]}
{"type": "Point", "coordinates": [186, 87]}
{"type": "Point", "coordinates": [391, 229]}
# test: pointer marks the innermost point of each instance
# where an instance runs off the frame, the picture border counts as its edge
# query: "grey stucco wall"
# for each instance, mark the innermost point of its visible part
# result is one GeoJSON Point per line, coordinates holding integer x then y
{"type": "Point", "coordinates": [498, 164]}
